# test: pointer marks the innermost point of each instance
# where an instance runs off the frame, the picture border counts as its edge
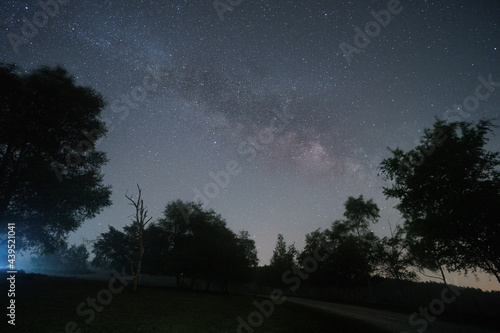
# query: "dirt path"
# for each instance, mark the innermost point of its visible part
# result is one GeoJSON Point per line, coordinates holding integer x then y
{"type": "Point", "coordinates": [391, 321]}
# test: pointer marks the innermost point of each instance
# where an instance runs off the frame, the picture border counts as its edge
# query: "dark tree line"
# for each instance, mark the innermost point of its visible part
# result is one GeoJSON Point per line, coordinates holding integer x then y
{"type": "Point", "coordinates": [187, 242]}
{"type": "Point", "coordinates": [449, 197]}
{"type": "Point", "coordinates": [353, 255]}
{"type": "Point", "coordinates": [64, 260]}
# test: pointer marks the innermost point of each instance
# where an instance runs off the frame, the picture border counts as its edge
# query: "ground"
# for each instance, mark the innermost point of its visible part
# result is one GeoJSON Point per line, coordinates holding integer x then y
{"type": "Point", "coordinates": [50, 304]}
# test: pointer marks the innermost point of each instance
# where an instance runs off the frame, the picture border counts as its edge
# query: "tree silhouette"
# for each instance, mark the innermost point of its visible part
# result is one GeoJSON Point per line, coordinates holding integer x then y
{"type": "Point", "coordinates": [140, 220]}
{"type": "Point", "coordinates": [284, 259]}
{"type": "Point", "coordinates": [244, 259]}
{"type": "Point", "coordinates": [115, 249]}
{"type": "Point", "coordinates": [156, 247]}
{"type": "Point", "coordinates": [65, 260]}
{"type": "Point", "coordinates": [358, 242]}
{"type": "Point", "coordinates": [50, 180]}
{"type": "Point", "coordinates": [449, 195]}
{"type": "Point", "coordinates": [202, 247]}
{"type": "Point", "coordinates": [248, 249]}
{"type": "Point", "coordinates": [319, 243]}
{"type": "Point", "coordinates": [359, 214]}
{"type": "Point", "coordinates": [393, 258]}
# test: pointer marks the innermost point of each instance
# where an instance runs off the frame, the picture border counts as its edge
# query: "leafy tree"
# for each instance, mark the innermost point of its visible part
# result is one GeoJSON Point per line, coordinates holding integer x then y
{"type": "Point", "coordinates": [427, 254]}
{"type": "Point", "coordinates": [284, 257]}
{"type": "Point", "coordinates": [355, 258]}
{"type": "Point", "coordinates": [350, 262]}
{"type": "Point", "coordinates": [115, 249]}
{"type": "Point", "coordinates": [449, 195]}
{"type": "Point", "coordinates": [248, 249]}
{"type": "Point", "coordinates": [393, 258]}
{"type": "Point", "coordinates": [156, 249]}
{"type": "Point", "coordinates": [187, 242]}
{"type": "Point", "coordinates": [65, 260]}
{"type": "Point", "coordinates": [314, 240]}
{"type": "Point", "coordinates": [245, 259]}
{"type": "Point", "coordinates": [319, 243]}
{"type": "Point", "coordinates": [77, 259]}
{"type": "Point", "coordinates": [50, 179]}
{"type": "Point", "coordinates": [185, 225]}
{"type": "Point", "coordinates": [358, 215]}
{"type": "Point", "coordinates": [201, 246]}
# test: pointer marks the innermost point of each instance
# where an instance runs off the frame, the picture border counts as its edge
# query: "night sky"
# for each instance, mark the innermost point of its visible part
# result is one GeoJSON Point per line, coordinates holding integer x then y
{"type": "Point", "coordinates": [287, 95]}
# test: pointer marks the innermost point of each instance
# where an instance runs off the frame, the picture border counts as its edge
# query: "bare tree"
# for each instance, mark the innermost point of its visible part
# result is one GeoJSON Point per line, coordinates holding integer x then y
{"type": "Point", "coordinates": [141, 220]}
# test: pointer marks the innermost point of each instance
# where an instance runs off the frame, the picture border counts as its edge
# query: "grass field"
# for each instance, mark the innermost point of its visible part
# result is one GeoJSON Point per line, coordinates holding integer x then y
{"type": "Point", "coordinates": [47, 304]}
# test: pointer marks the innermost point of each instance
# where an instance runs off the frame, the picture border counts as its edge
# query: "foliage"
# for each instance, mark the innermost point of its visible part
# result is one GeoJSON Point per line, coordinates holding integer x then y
{"type": "Point", "coordinates": [319, 243]}
{"type": "Point", "coordinates": [201, 246]}
{"type": "Point", "coordinates": [355, 259]}
{"type": "Point", "coordinates": [187, 242]}
{"type": "Point", "coordinates": [50, 180]}
{"type": "Point", "coordinates": [449, 192]}
{"type": "Point", "coordinates": [65, 260]}
{"type": "Point", "coordinates": [156, 249]}
{"type": "Point", "coordinates": [359, 214]}
{"type": "Point", "coordinates": [393, 258]}
{"type": "Point", "coordinates": [115, 249]}
{"type": "Point", "coordinates": [350, 253]}
{"type": "Point", "coordinates": [284, 257]}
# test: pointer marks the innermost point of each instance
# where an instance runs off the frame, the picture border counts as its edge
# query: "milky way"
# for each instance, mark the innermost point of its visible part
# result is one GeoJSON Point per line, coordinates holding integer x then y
{"type": "Point", "coordinates": [302, 98]}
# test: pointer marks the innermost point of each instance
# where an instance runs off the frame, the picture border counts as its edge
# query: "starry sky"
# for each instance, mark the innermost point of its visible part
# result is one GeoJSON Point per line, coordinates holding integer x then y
{"type": "Point", "coordinates": [270, 112]}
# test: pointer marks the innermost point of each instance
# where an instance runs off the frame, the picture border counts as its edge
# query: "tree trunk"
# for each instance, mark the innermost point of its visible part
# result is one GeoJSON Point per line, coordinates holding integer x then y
{"type": "Point", "coordinates": [447, 287]}
{"type": "Point", "coordinates": [497, 276]}
{"type": "Point", "coordinates": [492, 269]}
{"type": "Point", "coordinates": [141, 218]}
{"type": "Point", "coordinates": [442, 274]}
{"type": "Point", "coordinates": [139, 261]}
